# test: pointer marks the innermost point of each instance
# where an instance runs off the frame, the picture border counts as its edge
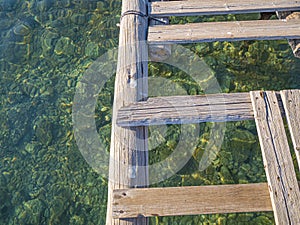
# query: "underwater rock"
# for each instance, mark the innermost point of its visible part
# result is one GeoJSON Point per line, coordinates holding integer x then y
{"type": "Point", "coordinates": [8, 5]}
{"type": "Point", "coordinates": [64, 45]}
{"type": "Point", "coordinates": [78, 19]}
{"type": "Point", "coordinates": [6, 22]}
{"type": "Point", "coordinates": [263, 220]}
{"type": "Point", "coordinates": [15, 125]}
{"type": "Point", "coordinates": [16, 53]}
{"type": "Point", "coordinates": [48, 41]}
{"type": "Point", "coordinates": [21, 29]}
{"type": "Point", "coordinates": [225, 175]}
{"type": "Point", "coordinates": [92, 50]}
{"type": "Point", "coordinates": [77, 220]}
{"type": "Point", "coordinates": [5, 200]}
{"type": "Point", "coordinates": [44, 5]}
{"type": "Point", "coordinates": [43, 130]}
{"type": "Point", "coordinates": [30, 212]}
{"type": "Point", "coordinates": [243, 136]}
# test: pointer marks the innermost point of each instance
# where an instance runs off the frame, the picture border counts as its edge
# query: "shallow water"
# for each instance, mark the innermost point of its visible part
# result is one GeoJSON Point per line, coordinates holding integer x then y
{"type": "Point", "coordinates": [47, 47]}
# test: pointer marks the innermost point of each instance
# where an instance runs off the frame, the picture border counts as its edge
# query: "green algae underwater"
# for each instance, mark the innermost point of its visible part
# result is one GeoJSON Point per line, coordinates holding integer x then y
{"type": "Point", "coordinates": [45, 48]}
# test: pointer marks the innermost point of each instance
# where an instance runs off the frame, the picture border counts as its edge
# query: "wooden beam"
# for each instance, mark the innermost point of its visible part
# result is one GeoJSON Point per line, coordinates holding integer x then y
{"type": "Point", "coordinates": [225, 31]}
{"type": "Point", "coordinates": [213, 7]}
{"type": "Point", "coordinates": [187, 109]}
{"type": "Point", "coordinates": [283, 187]}
{"type": "Point", "coordinates": [172, 201]}
{"type": "Point", "coordinates": [291, 103]}
{"type": "Point", "coordinates": [128, 149]}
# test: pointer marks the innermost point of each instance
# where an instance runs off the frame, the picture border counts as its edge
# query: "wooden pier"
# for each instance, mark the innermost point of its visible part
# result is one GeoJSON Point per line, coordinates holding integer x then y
{"type": "Point", "coordinates": [129, 199]}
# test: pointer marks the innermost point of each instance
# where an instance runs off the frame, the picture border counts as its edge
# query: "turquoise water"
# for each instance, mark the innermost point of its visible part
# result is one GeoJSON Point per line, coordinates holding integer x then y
{"type": "Point", "coordinates": [45, 49]}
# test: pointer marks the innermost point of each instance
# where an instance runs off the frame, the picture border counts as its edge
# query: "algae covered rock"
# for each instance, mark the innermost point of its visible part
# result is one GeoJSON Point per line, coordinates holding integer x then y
{"type": "Point", "coordinates": [92, 50]}
{"type": "Point", "coordinates": [43, 130]}
{"type": "Point", "coordinates": [15, 125]}
{"type": "Point", "coordinates": [8, 5]}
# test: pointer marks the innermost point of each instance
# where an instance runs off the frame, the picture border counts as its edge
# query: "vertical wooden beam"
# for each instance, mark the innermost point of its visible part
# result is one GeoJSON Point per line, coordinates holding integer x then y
{"type": "Point", "coordinates": [283, 187]}
{"type": "Point", "coordinates": [291, 103]}
{"type": "Point", "coordinates": [128, 151]}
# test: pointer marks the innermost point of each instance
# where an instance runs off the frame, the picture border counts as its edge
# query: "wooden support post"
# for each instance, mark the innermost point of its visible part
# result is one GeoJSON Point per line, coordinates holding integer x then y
{"type": "Point", "coordinates": [291, 102]}
{"type": "Point", "coordinates": [283, 187]}
{"type": "Point", "coordinates": [128, 151]}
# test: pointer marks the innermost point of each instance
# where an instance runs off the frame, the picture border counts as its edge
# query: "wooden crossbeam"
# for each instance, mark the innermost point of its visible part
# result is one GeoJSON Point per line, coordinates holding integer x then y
{"type": "Point", "coordinates": [291, 102]}
{"type": "Point", "coordinates": [187, 109]}
{"type": "Point", "coordinates": [225, 31]}
{"type": "Point", "coordinates": [283, 187]}
{"type": "Point", "coordinates": [213, 7]}
{"type": "Point", "coordinates": [172, 201]}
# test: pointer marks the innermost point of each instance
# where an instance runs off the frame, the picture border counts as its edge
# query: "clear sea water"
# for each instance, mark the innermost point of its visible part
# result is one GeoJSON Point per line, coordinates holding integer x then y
{"type": "Point", "coordinates": [47, 47]}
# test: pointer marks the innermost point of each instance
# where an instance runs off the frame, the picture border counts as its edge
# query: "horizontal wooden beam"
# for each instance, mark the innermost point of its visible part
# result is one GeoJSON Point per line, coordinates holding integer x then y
{"type": "Point", "coordinates": [224, 31]}
{"type": "Point", "coordinates": [193, 200]}
{"type": "Point", "coordinates": [213, 7]}
{"type": "Point", "coordinates": [187, 109]}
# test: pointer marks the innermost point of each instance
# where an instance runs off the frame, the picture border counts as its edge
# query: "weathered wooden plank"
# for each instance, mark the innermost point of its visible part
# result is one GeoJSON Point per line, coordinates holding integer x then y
{"type": "Point", "coordinates": [187, 109]}
{"type": "Point", "coordinates": [207, 7]}
{"type": "Point", "coordinates": [225, 31]}
{"type": "Point", "coordinates": [191, 200]}
{"type": "Point", "coordinates": [128, 149]}
{"type": "Point", "coordinates": [291, 102]}
{"type": "Point", "coordinates": [283, 187]}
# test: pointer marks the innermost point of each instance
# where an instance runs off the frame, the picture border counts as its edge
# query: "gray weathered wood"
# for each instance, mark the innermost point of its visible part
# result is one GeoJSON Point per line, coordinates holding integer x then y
{"type": "Point", "coordinates": [205, 7]}
{"type": "Point", "coordinates": [283, 187]}
{"type": "Point", "coordinates": [128, 151]}
{"type": "Point", "coordinates": [174, 201]}
{"type": "Point", "coordinates": [187, 109]}
{"type": "Point", "coordinates": [291, 102]}
{"type": "Point", "coordinates": [225, 31]}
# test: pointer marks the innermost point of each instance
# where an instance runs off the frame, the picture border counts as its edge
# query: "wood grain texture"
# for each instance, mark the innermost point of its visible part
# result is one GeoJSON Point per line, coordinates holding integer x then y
{"type": "Point", "coordinates": [225, 31]}
{"type": "Point", "coordinates": [187, 109]}
{"type": "Point", "coordinates": [291, 103]}
{"type": "Point", "coordinates": [172, 201]}
{"type": "Point", "coordinates": [283, 187]}
{"type": "Point", "coordinates": [128, 149]}
{"type": "Point", "coordinates": [206, 7]}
